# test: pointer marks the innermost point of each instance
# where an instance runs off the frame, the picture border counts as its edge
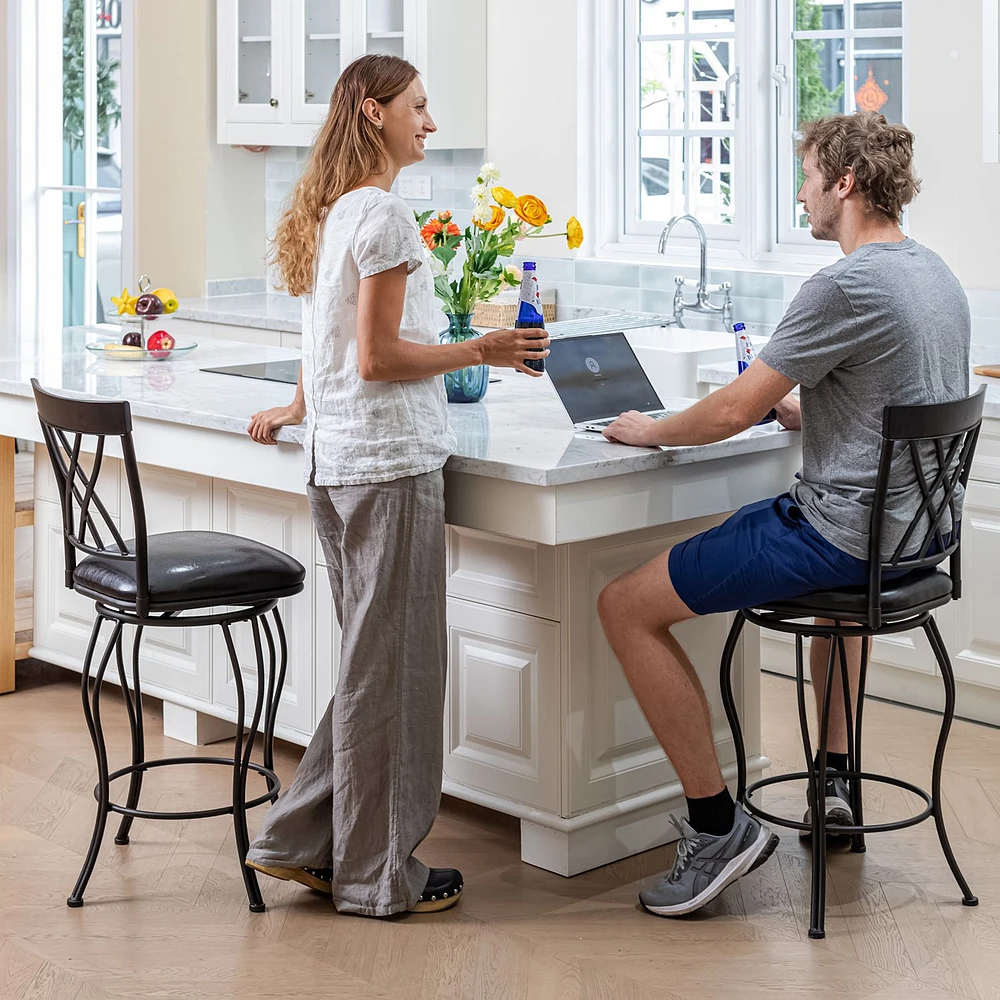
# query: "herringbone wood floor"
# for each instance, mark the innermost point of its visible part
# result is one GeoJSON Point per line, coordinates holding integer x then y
{"type": "Point", "coordinates": [167, 917]}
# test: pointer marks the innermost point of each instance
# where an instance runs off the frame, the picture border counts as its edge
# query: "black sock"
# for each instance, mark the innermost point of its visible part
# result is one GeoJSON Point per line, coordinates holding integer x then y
{"type": "Point", "coordinates": [714, 814]}
{"type": "Point", "coordinates": [838, 761]}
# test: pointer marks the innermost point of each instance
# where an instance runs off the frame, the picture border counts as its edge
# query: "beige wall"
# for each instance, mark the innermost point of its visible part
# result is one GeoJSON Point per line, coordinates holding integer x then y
{"type": "Point", "coordinates": [200, 206]}
{"type": "Point", "coordinates": [531, 115]}
{"type": "Point", "coordinates": [958, 210]}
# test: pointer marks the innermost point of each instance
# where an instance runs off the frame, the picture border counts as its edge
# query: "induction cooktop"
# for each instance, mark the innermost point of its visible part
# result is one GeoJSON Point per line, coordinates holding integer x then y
{"type": "Point", "coordinates": [271, 371]}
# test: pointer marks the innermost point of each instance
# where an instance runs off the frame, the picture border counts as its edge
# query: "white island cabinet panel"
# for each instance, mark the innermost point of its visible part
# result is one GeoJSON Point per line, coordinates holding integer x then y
{"type": "Point", "coordinates": [616, 754]}
{"type": "Point", "coordinates": [505, 572]}
{"type": "Point", "coordinates": [502, 729]}
{"type": "Point", "coordinates": [283, 521]}
{"type": "Point", "coordinates": [971, 626]}
{"type": "Point", "coordinates": [171, 658]}
{"type": "Point", "coordinates": [63, 620]}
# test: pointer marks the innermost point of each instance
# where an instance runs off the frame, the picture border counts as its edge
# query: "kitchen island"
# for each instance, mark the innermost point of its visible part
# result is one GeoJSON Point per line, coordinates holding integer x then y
{"type": "Point", "coordinates": [540, 722]}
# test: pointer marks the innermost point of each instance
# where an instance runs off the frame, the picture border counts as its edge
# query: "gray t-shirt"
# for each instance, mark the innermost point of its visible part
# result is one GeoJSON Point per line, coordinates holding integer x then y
{"type": "Point", "coordinates": [888, 324]}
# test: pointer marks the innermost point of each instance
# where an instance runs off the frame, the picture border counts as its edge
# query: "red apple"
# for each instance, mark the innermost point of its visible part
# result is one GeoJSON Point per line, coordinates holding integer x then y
{"type": "Point", "coordinates": [160, 344]}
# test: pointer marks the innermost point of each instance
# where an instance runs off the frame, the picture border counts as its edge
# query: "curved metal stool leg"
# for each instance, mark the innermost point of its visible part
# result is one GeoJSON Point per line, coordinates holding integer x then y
{"type": "Point", "coordinates": [858, 845]}
{"type": "Point", "coordinates": [240, 830]}
{"type": "Point", "coordinates": [133, 704]}
{"type": "Point", "coordinates": [92, 713]}
{"type": "Point", "coordinates": [729, 703]}
{"type": "Point", "coordinates": [275, 683]}
{"type": "Point", "coordinates": [948, 676]}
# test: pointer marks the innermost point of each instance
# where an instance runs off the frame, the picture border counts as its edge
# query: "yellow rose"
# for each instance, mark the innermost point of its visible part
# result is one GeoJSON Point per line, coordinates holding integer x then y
{"type": "Point", "coordinates": [495, 219]}
{"type": "Point", "coordinates": [574, 232]}
{"type": "Point", "coordinates": [504, 196]}
{"type": "Point", "coordinates": [532, 210]}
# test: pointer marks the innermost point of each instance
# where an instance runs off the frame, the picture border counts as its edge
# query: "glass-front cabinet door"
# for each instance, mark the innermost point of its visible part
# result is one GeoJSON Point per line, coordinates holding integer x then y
{"type": "Point", "coordinates": [252, 39]}
{"type": "Point", "coordinates": [321, 31]}
{"type": "Point", "coordinates": [385, 27]}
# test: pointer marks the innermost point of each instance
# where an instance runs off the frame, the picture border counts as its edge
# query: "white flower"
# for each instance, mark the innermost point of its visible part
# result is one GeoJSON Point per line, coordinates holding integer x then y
{"type": "Point", "coordinates": [480, 193]}
{"type": "Point", "coordinates": [489, 173]}
{"type": "Point", "coordinates": [482, 212]}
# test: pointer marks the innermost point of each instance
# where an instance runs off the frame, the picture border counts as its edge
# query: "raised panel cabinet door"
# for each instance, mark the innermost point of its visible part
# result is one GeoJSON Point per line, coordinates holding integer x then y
{"type": "Point", "coordinates": [503, 726]}
{"type": "Point", "coordinates": [62, 618]}
{"type": "Point", "coordinates": [172, 658]}
{"type": "Point", "coordinates": [614, 753]}
{"type": "Point", "coordinates": [283, 521]}
{"type": "Point", "coordinates": [971, 626]}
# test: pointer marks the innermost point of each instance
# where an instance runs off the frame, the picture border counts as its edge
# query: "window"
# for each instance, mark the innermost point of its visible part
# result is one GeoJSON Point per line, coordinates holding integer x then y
{"type": "Point", "coordinates": [845, 56]}
{"type": "Point", "coordinates": [680, 113]}
{"type": "Point", "coordinates": [74, 141]}
{"type": "Point", "coordinates": [706, 105]}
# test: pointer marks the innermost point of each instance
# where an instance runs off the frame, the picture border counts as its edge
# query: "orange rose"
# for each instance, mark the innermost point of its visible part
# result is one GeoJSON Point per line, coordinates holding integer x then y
{"type": "Point", "coordinates": [495, 219]}
{"type": "Point", "coordinates": [532, 210]}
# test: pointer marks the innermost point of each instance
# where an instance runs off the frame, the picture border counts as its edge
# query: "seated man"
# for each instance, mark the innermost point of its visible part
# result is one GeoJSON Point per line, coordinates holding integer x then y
{"type": "Point", "coordinates": [887, 324]}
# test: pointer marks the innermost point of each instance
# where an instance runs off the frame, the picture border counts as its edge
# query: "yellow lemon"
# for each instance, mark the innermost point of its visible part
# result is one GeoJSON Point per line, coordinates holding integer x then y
{"type": "Point", "coordinates": [167, 297]}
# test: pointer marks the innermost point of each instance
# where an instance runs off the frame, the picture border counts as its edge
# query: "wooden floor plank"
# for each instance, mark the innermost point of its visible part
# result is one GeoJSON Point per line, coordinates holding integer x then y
{"type": "Point", "coordinates": [167, 915]}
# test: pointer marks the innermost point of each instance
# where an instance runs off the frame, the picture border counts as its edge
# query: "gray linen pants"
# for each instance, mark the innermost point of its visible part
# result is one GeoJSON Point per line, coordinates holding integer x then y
{"type": "Point", "coordinates": [369, 785]}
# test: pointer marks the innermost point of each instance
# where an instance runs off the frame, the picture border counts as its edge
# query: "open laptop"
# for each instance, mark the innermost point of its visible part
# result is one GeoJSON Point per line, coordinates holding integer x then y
{"type": "Point", "coordinates": [598, 377]}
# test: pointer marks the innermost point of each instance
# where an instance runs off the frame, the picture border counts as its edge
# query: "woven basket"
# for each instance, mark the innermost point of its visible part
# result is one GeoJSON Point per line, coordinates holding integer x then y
{"type": "Point", "coordinates": [501, 312]}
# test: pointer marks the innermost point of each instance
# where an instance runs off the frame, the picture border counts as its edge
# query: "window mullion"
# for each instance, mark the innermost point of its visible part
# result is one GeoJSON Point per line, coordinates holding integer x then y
{"type": "Point", "coordinates": [90, 162]}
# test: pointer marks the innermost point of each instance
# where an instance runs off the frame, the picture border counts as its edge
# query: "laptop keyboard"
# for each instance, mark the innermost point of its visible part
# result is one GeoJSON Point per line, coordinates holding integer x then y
{"type": "Point", "coordinates": [608, 421]}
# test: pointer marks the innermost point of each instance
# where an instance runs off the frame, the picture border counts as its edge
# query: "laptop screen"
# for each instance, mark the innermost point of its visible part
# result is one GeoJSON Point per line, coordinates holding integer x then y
{"type": "Point", "coordinates": [599, 376]}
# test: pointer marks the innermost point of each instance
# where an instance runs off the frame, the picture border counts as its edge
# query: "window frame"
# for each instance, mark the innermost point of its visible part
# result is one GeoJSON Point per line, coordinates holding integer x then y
{"type": "Point", "coordinates": [632, 131]}
{"type": "Point", "coordinates": [789, 235]}
{"type": "Point", "coordinates": [32, 237]}
{"type": "Point", "coordinates": [761, 245]}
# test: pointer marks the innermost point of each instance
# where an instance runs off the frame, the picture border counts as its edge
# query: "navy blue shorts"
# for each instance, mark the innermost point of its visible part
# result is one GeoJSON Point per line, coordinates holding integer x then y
{"type": "Point", "coordinates": [765, 552]}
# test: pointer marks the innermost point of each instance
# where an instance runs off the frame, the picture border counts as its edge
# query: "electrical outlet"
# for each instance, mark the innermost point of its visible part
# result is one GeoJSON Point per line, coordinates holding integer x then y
{"type": "Point", "coordinates": [416, 187]}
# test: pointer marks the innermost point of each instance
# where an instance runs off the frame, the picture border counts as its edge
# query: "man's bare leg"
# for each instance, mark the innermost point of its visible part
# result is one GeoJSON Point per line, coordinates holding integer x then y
{"type": "Point", "coordinates": [637, 611]}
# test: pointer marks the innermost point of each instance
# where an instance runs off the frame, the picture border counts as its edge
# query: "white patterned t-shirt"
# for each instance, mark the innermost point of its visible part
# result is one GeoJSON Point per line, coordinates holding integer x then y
{"type": "Point", "coordinates": [358, 431]}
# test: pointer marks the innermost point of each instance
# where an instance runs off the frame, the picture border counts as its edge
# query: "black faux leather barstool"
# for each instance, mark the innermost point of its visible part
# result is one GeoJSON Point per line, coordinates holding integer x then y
{"type": "Point", "coordinates": [149, 581]}
{"type": "Point", "coordinates": [933, 447]}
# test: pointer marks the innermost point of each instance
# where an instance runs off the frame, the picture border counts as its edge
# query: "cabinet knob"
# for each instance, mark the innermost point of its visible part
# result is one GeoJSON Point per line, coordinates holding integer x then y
{"type": "Point", "coordinates": [274, 102]}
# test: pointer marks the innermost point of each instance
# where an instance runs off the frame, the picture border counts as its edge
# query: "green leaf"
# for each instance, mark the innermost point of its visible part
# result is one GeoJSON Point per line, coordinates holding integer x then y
{"type": "Point", "coordinates": [422, 217]}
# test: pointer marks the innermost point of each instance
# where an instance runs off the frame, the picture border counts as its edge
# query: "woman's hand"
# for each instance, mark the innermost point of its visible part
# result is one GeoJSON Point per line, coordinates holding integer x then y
{"type": "Point", "coordinates": [264, 423]}
{"type": "Point", "coordinates": [510, 348]}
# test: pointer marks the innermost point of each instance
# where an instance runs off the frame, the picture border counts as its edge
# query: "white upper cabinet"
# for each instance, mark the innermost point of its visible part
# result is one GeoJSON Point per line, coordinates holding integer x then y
{"type": "Point", "coordinates": [278, 62]}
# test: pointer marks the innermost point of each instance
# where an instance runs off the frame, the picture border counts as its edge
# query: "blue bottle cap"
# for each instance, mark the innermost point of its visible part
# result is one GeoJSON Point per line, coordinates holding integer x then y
{"type": "Point", "coordinates": [739, 327]}
{"type": "Point", "coordinates": [528, 265]}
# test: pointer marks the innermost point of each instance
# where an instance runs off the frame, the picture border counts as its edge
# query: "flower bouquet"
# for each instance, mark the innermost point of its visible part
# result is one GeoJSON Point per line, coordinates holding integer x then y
{"type": "Point", "coordinates": [492, 237]}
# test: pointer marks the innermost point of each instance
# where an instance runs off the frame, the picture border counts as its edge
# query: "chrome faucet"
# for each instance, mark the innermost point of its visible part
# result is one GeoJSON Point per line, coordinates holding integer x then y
{"type": "Point", "coordinates": [702, 303]}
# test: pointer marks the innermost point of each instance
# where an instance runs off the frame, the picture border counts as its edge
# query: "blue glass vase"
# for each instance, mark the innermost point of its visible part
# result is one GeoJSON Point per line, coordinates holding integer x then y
{"type": "Point", "coordinates": [467, 385]}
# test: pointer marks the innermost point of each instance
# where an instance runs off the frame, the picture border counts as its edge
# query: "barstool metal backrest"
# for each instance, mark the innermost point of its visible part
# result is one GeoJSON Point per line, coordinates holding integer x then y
{"type": "Point", "coordinates": [66, 423]}
{"type": "Point", "coordinates": [939, 441]}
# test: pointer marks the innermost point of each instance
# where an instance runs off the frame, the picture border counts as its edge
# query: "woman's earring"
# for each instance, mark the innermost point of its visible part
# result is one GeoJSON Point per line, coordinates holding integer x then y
{"type": "Point", "coordinates": [379, 127]}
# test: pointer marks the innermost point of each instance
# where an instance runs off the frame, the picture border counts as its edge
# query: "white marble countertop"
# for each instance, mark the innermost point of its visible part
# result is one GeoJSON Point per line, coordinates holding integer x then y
{"type": "Point", "coordinates": [722, 373]}
{"type": "Point", "coordinates": [284, 313]}
{"type": "Point", "coordinates": [520, 432]}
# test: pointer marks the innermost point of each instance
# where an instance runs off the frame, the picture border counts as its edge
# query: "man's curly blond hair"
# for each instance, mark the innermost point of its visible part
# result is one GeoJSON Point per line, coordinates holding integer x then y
{"type": "Point", "coordinates": [879, 153]}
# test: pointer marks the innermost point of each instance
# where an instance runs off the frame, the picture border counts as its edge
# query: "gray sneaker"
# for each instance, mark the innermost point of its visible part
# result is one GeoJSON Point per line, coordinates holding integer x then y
{"type": "Point", "coordinates": [706, 864]}
{"type": "Point", "coordinates": [837, 804]}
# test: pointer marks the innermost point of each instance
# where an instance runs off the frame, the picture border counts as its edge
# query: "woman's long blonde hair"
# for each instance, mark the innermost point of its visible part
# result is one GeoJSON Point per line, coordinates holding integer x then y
{"type": "Point", "coordinates": [347, 150]}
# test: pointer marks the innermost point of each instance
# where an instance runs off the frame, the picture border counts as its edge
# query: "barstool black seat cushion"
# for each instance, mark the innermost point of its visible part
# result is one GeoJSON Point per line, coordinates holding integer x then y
{"type": "Point", "coordinates": [194, 569]}
{"type": "Point", "coordinates": [902, 597]}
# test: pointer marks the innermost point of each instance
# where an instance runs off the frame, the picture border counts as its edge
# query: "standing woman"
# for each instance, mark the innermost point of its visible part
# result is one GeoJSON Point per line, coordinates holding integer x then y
{"type": "Point", "coordinates": [368, 787]}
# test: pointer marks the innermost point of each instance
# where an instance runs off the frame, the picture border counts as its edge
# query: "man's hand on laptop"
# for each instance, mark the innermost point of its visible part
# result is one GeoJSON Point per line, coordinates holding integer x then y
{"type": "Point", "coordinates": [631, 428]}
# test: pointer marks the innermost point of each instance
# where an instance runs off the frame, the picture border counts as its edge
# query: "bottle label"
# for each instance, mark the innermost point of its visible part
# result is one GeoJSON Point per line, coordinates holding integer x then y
{"type": "Point", "coordinates": [528, 287]}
